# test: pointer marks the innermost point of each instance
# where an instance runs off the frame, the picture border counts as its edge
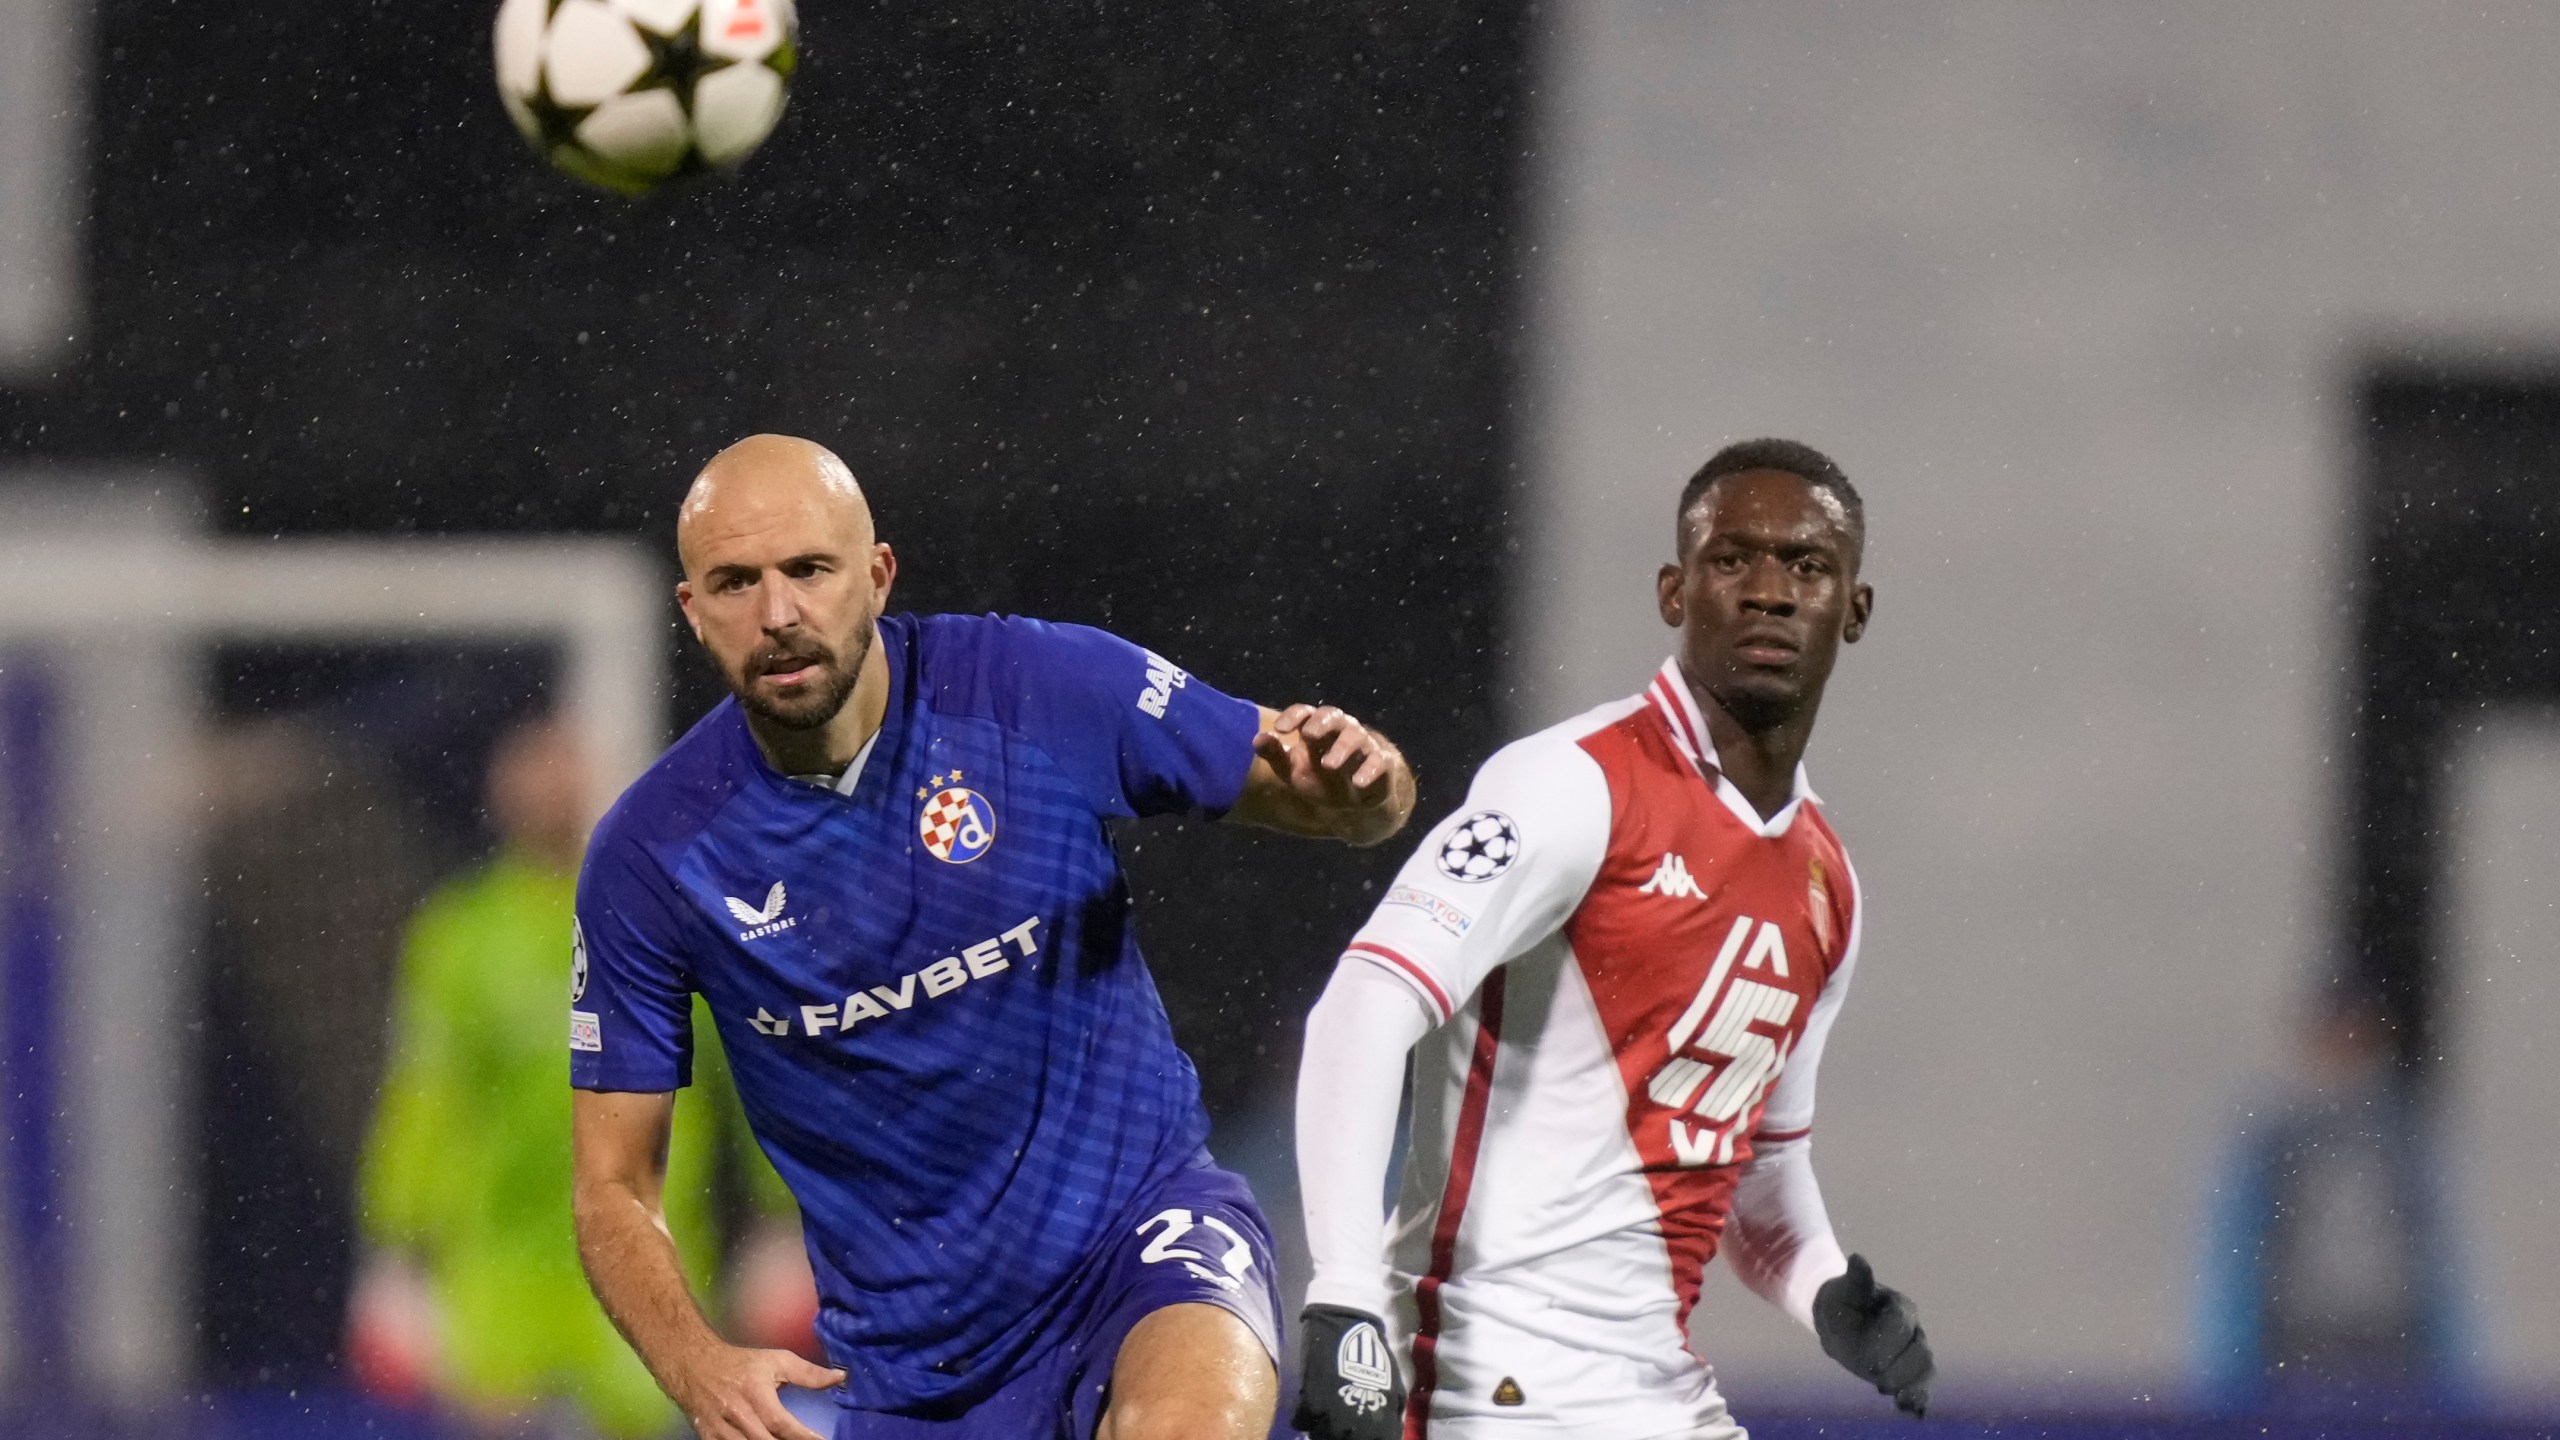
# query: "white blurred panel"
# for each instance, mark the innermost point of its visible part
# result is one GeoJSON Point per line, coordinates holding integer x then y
{"type": "Point", "coordinates": [91, 560]}
{"type": "Point", "coordinates": [43, 126]}
{"type": "Point", "coordinates": [2504, 1020]}
{"type": "Point", "coordinates": [129, 792]}
{"type": "Point", "coordinates": [2076, 291]}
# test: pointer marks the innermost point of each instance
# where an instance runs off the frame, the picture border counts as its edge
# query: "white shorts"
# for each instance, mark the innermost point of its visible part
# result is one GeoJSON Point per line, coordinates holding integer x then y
{"type": "Point", "coordinates": [1521, 1424]}
{"type": "Point", "coordinates": [1508, 1365]}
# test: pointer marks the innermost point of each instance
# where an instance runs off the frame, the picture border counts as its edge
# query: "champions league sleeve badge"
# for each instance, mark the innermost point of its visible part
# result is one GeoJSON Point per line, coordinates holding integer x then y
{"type": "Point", "coordinates": [958, 825]}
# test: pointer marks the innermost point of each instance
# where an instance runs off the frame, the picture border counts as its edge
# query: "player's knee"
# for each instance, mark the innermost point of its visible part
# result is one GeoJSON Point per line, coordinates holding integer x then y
{"type": "Point", "coordinates": [1191, 1372]}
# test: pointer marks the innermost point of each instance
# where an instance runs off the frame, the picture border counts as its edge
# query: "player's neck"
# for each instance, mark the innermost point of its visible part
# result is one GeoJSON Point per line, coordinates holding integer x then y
{"type": "Point", "coordinates": [829, 748]}
{"type": "Point", "coordinates": [1760, 759]}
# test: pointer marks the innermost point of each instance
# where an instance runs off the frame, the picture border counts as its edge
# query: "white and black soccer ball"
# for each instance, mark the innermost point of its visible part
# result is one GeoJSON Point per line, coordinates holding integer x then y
{"type": "Point", "coordinates": [629, 94]}
{"type": "Point", "coordinates": [1483, 846]}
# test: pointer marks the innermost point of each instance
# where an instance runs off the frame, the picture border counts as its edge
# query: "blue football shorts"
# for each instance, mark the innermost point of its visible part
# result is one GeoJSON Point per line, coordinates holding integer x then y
{"type": "Point", "coordinates": [1204, 1241]}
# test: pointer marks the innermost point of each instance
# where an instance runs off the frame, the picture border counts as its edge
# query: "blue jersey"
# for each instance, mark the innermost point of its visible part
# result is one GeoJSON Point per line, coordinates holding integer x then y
{"type": "Point", "coordinates": [929, 989]}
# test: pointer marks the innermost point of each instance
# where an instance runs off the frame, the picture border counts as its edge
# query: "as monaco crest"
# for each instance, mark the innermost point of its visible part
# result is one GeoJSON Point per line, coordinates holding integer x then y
{"type": "Point", "coordinates": [958, 825]}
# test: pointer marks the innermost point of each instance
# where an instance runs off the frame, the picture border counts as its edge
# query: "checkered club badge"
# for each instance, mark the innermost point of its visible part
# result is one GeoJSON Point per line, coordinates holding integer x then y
{"type": "Point", "coordinates": [958, 825]}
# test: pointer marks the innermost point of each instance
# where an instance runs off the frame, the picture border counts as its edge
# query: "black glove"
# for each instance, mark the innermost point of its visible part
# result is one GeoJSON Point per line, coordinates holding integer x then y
{"type": "Point", "coordinates": [1875, 1332]}
{"type": "Point", "coordinates": [1349, 1389]}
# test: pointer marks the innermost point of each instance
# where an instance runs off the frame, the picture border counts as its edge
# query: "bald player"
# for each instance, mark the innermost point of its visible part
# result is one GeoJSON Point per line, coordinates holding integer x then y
{"type": "Point", "coordinates": [884, 863]}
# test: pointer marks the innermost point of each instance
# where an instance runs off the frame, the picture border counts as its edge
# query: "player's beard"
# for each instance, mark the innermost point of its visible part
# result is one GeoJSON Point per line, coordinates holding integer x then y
{"type": "Point", "coordinates": [818, 701]}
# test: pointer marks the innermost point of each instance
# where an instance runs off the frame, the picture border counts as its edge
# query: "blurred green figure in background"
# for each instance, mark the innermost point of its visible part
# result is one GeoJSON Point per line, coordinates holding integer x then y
{"type": "Point", "coordinates": [472, 1292]}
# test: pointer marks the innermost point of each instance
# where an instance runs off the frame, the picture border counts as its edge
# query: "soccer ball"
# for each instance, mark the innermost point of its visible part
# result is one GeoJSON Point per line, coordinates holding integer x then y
{"type": "Point", "coordinates": [628, 94]}
{"type": "Point", "coordinates": [1483, 846]}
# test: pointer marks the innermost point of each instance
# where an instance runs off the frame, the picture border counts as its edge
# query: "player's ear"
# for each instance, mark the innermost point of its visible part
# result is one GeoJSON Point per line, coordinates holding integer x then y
{"type": "Point", "coordinates": [684, 602]}
{"type": "Point", "coordinates": [1666, 596]}
{"type": "Point", "coordinates": [1862, 608]}
{"type": "Point", "coordinates": [884, 573]}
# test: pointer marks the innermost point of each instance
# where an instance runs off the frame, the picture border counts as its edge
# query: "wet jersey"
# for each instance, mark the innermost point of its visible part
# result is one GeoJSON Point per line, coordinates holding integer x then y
{"type": "Point", "coordinates": [1636, 973]}
{"type": "Point", "coordinates": [928, 988]}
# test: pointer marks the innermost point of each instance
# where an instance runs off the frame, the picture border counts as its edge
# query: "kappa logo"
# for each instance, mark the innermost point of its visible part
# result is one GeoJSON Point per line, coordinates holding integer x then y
{"type": "Point", "coordinates": [760, 921]}
{"type": "Point", "coordinates": [981, 961]}
{"type": "Point", "coordinates": [1163, 678]}
{"type": "Point", "coordinates": [1672, 878]}
{"type": "Point", "coordinates": [1361, 1360]}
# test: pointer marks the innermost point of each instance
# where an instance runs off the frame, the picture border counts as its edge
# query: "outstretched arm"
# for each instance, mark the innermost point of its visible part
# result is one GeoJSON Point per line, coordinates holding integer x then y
{"type": "Point", "coordinates": [619, 1141]}
{"type": "Point", "coordinates": [1320, 773]}
{"type": "Point", "coordinates": [1350, 1083]}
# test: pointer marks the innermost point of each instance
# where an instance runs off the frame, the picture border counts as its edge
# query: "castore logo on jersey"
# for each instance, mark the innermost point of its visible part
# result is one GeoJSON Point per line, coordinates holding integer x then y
{"type": "Point", "coordinates": [760, 920]}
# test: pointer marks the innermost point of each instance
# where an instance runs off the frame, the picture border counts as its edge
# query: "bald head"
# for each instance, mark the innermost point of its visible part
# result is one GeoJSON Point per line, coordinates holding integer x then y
{"type": "Point", "coordinates": [783, 577]}
{"type": "Point", "coordinates": [768, 483]}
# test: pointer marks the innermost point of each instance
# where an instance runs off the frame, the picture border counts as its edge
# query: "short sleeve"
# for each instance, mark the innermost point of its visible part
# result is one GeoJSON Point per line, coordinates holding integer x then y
{"type": "Point", "coordinates": [1139, 734]}
{"type": "Point", "coordinates": [1502, 873]}
{"type": "Point", "coordinates": [630, 995]}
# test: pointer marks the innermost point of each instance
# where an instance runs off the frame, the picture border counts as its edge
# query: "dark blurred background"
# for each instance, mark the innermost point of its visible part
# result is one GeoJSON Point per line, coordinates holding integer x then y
{"type": "Point", "coordinates": [2196, 362]}
{"type": "Point", "coordinates": [1194, 322]}
{"type": "Point", "coordinates": [1191, 322]}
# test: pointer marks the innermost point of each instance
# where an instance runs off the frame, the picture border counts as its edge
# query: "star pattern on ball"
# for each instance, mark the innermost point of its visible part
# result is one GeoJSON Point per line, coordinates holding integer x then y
{"type": "Point", "coordinates": [676, 59]}
{"type": "Point", "coordinates": [557, 123]}
{"type": "Point", "coordinates": [621, 68]}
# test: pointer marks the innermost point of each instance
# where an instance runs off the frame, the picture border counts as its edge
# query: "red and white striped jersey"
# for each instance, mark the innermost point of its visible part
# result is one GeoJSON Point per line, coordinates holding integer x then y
{"type": "Point", "coordinates": [1638, 972]}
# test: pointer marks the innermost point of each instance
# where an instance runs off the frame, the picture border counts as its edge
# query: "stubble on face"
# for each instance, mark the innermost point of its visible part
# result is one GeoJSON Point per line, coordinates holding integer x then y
{"type": "Point", "coordinates": [808, 704]}
{"type": "Point", "coordinates": [793, 678]}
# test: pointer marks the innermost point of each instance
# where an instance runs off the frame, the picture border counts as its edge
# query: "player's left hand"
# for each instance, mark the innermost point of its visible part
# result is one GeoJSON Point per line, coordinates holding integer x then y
{"type": "Point", "coordinates": [1330, 763]}
{"type": "Point", "coordinates": [1874, 1331]}
{"type": "Point", "coordinates": [1349, 1388]}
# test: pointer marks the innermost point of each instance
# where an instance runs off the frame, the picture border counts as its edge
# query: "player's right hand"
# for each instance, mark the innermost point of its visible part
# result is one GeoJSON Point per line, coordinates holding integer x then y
{"type": "Point", "coordinates": [1874, 1332]}
{"type": "Point", "coordinates": [1349, 1389]}
{"type": "Point", "coordinates": [730, 1393]}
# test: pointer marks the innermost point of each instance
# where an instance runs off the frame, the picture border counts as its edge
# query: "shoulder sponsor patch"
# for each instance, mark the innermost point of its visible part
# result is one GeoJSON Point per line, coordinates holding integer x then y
{"type": "Point", "coordinates": [586, 1032]}
{"type": "Point", "coordinates": [1443, 914]}
{"type": "Point", "coordinates": [1163, 678]}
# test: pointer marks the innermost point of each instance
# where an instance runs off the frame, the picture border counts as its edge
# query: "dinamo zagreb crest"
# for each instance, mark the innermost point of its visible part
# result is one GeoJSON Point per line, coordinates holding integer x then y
{"type": "Point", "coordinates": [958, 825]}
